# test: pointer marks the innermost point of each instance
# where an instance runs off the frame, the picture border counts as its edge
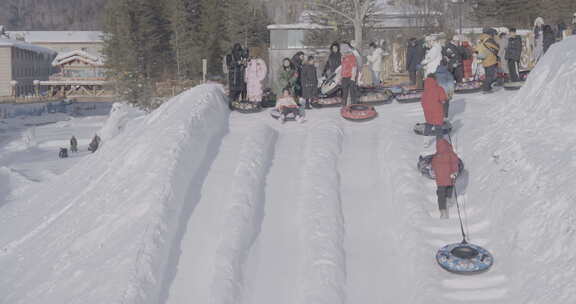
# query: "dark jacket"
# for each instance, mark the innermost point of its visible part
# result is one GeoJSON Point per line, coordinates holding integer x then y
{"type": "Point", "coordinates": [414, 55]}
{"type": "Point", "coordinates": [297, 62]}
{"type": "Point", "coordinates": [548, 37]}
{"type": "Point", "coordinates": [236, 62]}
{"type": "Point", "coordinates": [309, 82]}
{"type": "Point", "coordinates": [334, 60]}
{"type": "Point", "coordinates": [453, 55]}
{"type": "Point", "coordinates": [514, 49]}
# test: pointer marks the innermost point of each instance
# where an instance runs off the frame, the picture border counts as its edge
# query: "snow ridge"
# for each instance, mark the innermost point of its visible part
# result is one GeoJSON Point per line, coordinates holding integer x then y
{"type": "Point", "coordinates": [244, 215]}
{"type": "Point", "coordinates": [323, 268]}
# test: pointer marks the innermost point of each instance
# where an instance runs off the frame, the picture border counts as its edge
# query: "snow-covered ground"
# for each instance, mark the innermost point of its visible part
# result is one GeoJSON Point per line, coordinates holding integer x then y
{"type": "Point", "coordinates": [194, 204]}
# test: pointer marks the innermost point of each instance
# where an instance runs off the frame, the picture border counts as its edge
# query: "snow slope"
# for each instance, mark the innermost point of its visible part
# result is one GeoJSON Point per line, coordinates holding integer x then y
{"type": "Point", "coordinates": [100, 237]}
{"type": "Point", "coordinates": [192, 204]}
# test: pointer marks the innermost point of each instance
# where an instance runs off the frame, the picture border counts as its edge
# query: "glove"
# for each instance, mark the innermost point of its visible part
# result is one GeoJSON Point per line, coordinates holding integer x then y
{"type": "Point", "coordinates": [453, 175]}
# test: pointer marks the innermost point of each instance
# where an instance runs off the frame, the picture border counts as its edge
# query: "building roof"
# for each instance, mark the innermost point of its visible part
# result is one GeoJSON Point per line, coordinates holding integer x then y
{"type": "Point", "coordinates": [25, 46]}
{"type": "Point", "coordinates": [64, 58]}
{"type": "Point", "coordinates": [299, 26]}
{"type": "Point", "coordinates": [57, 36]}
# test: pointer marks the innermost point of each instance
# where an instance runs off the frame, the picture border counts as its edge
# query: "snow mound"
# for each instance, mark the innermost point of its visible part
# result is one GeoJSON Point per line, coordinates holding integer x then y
{"type": "Point", "coordinates": [120, 115]}
{"type": "Point", "coordinates": [102, 231]}
{"type": "Point", "coordinates": [530, 155]}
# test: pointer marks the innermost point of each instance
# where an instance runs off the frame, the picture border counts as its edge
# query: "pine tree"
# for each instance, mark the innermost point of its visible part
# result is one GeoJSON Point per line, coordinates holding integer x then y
{"type": "Point", "coordinates": [184, 16]}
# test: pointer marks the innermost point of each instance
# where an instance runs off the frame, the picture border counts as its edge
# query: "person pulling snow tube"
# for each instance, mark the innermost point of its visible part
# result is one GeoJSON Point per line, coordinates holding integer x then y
{"type": "Point", "coordinates": [246, 107]}
{"type": "Point", "coordinates": [409, 95]}
{"type": "Point", "coordinates": [425, 129]}
{"type": "Point", "coordinates": [425, 166]}
{"type": "Point", "coordinates": [275, 113]}
{"type": "Point", "coordinates": [468, 87]}
{"type": "Point", "coordinates": [331, 85]}
{"type": "Point", "coordinates": [377, 97]}
{"type": "Point", "coordinates": [327, 102]}
{"type": "Point", "coordinates": [464, 258]}
{"type": "Point", "coordinates": [358, 112]}
{"type": "Point", "coordinates": [513, 86]}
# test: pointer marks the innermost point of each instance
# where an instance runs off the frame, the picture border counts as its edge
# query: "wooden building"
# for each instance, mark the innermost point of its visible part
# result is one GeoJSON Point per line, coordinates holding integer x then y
{"type": "Point", "coordinates": [20, 65]}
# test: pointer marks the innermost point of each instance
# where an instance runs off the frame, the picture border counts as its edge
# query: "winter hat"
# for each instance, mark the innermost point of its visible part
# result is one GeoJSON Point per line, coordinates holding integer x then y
{"type": "Point", "coordinates": [539, 21]}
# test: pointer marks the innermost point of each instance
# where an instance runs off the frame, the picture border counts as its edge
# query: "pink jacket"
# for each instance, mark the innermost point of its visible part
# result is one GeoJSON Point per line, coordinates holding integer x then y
{"type": "Point", "coordinates": [255, 74]}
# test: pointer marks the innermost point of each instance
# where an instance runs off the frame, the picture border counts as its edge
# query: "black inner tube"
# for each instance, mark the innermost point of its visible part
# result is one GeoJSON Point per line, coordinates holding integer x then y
{"type": "Point", "coordinates": [359, 108]}
{"type": "Point", "coordinates": [464, 252]}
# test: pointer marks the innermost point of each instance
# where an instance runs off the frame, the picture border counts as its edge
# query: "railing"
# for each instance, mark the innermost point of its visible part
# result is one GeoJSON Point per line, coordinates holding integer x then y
{"type": "Point", "coordinates": [29, 99]}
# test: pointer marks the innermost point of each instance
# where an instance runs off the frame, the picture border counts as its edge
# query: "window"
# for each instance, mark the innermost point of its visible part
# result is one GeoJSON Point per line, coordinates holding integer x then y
{"type": "Point", "coordinates": [286, 39]}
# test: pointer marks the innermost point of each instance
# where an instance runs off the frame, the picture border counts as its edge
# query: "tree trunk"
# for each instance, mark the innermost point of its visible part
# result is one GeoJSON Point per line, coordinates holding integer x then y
{"type": "Point", "coordinates": [358, 35]}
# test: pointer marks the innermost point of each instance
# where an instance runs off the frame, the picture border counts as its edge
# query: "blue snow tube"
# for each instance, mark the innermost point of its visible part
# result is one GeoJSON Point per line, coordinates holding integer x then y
{"type": "Point", "coordinates": [464, 258]}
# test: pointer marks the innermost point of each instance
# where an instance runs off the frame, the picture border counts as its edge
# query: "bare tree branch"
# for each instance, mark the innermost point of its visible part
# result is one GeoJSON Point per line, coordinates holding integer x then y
{"type": "Point", "coordinates": [334, 10]}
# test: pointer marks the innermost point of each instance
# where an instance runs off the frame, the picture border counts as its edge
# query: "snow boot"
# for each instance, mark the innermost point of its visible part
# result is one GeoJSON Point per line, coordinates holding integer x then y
{"type": "Point", "coordinates": [444, 214]}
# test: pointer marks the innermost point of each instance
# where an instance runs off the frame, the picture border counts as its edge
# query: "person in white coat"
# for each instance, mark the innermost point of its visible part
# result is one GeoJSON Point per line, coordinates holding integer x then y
{"type": "Point", "coordinates": [538, 43]}
{"type": "Point", "coordinates": [433, 56]}
{"type": "Point", "coordinates": [375, 61]}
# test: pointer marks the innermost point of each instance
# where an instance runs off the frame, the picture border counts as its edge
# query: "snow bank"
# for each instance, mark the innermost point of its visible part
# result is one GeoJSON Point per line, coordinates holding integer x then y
{"type": "Point", "coordinates": [120, 115]}
{"type": "Point", "coordinates": [323, 267]}
{"type": "Point", "coordinates": [102, 231]}
{"type": "Point", "coordinates": [244, 215]}
{"type": "Point", "coordinates": [529, 154]}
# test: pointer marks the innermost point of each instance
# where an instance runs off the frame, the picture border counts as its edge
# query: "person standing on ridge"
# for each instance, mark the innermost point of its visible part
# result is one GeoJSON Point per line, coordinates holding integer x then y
{"type": "Point", "coordinates": [334, 60]}
{"type": "Point", "coordinates": [349, 74]}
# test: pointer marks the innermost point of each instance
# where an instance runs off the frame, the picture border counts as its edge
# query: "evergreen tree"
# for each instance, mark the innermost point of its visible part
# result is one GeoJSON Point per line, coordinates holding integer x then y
{"type": "Point", "coordinates": [186, 43]}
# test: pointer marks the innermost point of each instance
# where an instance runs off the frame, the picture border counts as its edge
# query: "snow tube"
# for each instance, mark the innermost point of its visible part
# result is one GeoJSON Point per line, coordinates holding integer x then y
{"type": "Point", "coordinates": [268, 99]}
{"type": "Point", "coordinates": [408, 96]}
{"type": "Point", "coordinates": [358, 112]}
{"type": "Point", "coordinates": [276, 115]}
{"type": "Point", "coordinates": [464, 258]}
{"type": "Point", "coordinates": [425, 166]}
{"type": "Point", "coordinates": [513, 86]}
{"type": "Point", "coordinates": [396, 90]}
{"type": "Point", "coordinates": [468, 87]}
{"type": "Point", "coordinates": [377, 97]}
{"type": "Point", "coordinates": [331, 84]}
{"type": "Point", "coordinates": [246, 107]}
{"type": "Point", "coordinates": [327, 102]}
{"type": "Point", "coordinates": [420, 129]}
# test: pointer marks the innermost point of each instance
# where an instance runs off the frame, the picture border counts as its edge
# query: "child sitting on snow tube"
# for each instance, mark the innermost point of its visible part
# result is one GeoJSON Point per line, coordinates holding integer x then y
{"type": "Point", "coordinates": [445, 164]}
{"type": "Point", "coordinates": [287, 107]}
{"type": "Point", "coordinates": [433, 100]}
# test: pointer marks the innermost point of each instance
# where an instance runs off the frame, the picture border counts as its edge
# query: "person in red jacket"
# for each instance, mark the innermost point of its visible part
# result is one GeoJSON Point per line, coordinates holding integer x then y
{"type": "Point", "coordinates": [445, 166]}
{"type": "Point", "coordinates": [349, 72]}
{"type": "Point", "coordinates": [467, 61]}
{"type": "Point", "coordinates": [433, 100]}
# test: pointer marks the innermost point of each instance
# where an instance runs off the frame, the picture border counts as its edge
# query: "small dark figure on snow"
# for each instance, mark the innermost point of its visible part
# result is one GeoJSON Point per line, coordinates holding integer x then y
{"type": "Point", "coordinates": [63, 153]}
{"type": "Point", "coordinates": [94, 144]}
{"type": "Point", "coordinates": [334, 60]}
{"type": "Point", "coordinates": [73, 144]}
{"type": "Point", "coordinates": [445, 166]}
{"type": "Point", "coordinates": [514, 54]}
{"type": "Point", "coordinates": [309, 82]}
{"type": "Point", "coordinates": [237, 61]}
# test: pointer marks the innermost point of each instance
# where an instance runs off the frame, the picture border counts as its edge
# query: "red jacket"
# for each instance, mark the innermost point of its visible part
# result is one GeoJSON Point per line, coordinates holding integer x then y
{"type": "Point", "coordinates": [444, 163]}
{"type": "Point", "coordinates": [467, 63]}
{"type": "Point", "coordinates": [348, 64]}
{"type": "Point", "coordinates": [432, 99]}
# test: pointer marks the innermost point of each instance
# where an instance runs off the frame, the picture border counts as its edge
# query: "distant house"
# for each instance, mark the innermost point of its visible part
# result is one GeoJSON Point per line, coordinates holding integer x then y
{"type": "Point", "coordinates": [21, 64]}
{"type": "Point", "coordinates": [63, 41]}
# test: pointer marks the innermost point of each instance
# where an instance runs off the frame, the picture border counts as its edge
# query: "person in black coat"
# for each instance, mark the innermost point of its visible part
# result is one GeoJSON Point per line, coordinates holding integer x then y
{"type": "Point", "coordinates": [453, 58]}
{"type": "Point", "coordinates": [309, 81]}
{"type": "Point", "coordinates": [415, 53]}
{"type": "Point", "coordinates": [334, 60]}
{"type": "Point", "coordinates": [236, 62]}
{"type": "Point", "coordinates": [73, 144]}
{"type": "Point", "coordinates": [514, 54]}
{"type": "Point", "coordinates": [298, 61]}
{"type": "Point", "coordinates": [548, 37]}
